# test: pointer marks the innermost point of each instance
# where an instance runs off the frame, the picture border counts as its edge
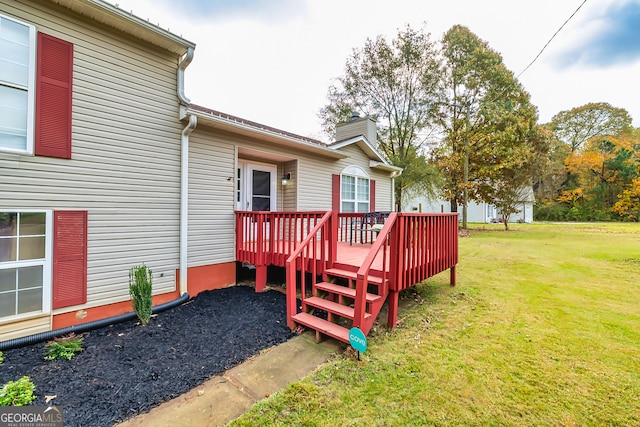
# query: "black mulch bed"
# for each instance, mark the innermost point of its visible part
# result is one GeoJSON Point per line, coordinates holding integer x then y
{"type": "Point", "coordinates": [126, 369]}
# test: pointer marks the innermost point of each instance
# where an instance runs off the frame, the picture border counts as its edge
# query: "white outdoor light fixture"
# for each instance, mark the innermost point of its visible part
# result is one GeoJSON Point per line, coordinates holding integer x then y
{"type": "Point", "coordinates": [286, 178]}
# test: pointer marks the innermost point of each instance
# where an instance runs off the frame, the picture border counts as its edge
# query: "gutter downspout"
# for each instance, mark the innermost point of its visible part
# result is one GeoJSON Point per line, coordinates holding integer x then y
{"type": "Point", "coordinates": [184, 169]}
{"type": "Point", "coordinates": [184, 63]}
{"type": "Point", "coordinates": [184, 200]}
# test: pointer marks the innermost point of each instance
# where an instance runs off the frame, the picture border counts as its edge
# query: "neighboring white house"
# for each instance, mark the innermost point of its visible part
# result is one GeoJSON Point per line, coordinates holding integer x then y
{"type": "Point", "coordinates": [476, 212]}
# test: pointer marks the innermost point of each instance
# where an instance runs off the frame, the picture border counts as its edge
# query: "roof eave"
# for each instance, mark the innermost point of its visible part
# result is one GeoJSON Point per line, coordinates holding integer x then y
{"type": "Point", "coordinates": [270, 135]}
{"type": "Point", "coordinates": [128, 23]}
{"type": "Point", "coordinates": [364, 145]}
{"type": "Point", "coordinates": [395, 170]}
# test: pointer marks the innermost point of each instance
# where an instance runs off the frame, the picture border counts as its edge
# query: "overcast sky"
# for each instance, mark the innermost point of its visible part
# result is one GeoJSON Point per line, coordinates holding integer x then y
{"type": "Point", "coordinates": [271, 61]}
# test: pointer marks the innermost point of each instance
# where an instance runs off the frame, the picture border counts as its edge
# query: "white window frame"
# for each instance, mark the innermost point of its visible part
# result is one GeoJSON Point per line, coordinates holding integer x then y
{"type": "Point", "coordinates": [46, 267]}
{"type": "Point", "coordinates": [30, 88]}
{"type": "Point", "coordinates": [357, 173]}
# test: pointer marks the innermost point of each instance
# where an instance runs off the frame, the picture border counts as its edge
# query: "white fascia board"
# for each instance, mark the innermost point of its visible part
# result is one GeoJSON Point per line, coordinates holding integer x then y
{"type": "Point", "coordinates": [128, 23]}
{"type": "Point", "coordinates": [272, 136]}
{"type": "Point", "coordinates": [364, 145]}
{"type": "Point", "coordinates": [385, 166]}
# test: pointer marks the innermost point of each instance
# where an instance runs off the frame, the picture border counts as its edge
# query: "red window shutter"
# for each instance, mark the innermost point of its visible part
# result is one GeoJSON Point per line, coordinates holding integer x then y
{"type": "Point", "coordinates": [335, 192]}
{"type": "Point", "coordinates": [372, 195]}
{"type": "Point", "coordinates": [69, 258]}
{"type": "Point", "coordinates": [53, 97]}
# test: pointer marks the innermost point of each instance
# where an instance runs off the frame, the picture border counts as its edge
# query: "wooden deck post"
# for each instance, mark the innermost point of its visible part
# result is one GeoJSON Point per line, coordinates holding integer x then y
{"type": "Point", "coordinates": [261, 277]}
{"type": "Point", "coordinates": [452, 276]}
{"type": "Point", "coordinates": [392, 302]}
{"type": "Point", "coordinates": [334, 223]}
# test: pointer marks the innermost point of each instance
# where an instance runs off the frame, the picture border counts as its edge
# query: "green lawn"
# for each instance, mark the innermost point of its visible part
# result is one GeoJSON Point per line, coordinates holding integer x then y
{"type": "Point", "coordinates": [543, 328]}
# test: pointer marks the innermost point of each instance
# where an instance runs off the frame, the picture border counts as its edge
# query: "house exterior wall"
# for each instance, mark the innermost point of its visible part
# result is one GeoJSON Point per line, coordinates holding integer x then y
{"type": "Point", "coordinates": [211, 199]}
{"type": "Point", "coordinates": [125, 165]}
{"type": "Point", "coordinates": [212, 188]}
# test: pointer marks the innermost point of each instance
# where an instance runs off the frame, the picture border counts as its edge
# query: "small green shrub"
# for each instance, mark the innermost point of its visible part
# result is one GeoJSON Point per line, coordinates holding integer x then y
{"type": "Point", "coordinates": [17, 393]}
{"type": "Point", "coordinates": [1, 358]}
{"type": "Point", "coordinates": [64, 347]}
{"type": "Point", "coordinates": [140, 289]}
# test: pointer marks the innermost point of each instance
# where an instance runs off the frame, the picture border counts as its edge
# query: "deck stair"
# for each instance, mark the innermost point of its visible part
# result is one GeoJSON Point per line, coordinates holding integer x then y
{"type": "Point", "coordinates": [336, 296]}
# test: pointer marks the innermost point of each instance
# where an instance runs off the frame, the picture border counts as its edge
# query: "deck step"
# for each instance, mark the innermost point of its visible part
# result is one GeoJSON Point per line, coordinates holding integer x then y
{"type": "Point", "coordinates": [345, 291]}
{"type": "Point", "coordinates": [323, 326]}
{"type": "Point", "coordinates": [333, 307]}
{"type": "Point", "coordinates": [352, 275]}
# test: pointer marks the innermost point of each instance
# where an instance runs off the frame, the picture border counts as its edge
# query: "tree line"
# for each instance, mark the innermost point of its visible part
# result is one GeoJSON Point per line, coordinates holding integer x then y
{"type": "Point", "coordinates": [463, 128]}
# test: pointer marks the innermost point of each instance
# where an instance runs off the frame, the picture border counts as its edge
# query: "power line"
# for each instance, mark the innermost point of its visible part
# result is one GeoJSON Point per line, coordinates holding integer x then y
{"type": "Point", "coordinates": [552, 37]}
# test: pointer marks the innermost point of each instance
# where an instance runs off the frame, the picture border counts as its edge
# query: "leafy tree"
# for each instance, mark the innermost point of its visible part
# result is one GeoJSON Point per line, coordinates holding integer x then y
{"type": "Point", "coordinates": [600, 161]}
{"type": "Point", "coordinates": [398, 84]}
{"type": "Point", "coordinates": [603, 169]}
{"type": "Point", "coordinates": [551, 177]}
{"type": "Point", "coordinates": [512, 186]}
{"type": "Point", "coordinates": [488, 120]}
{"type": "Point", "coordinates": [628, 205]}
{"type": "Point", "coordinates": [576, 126]}
{"type": "Point", "coordinates": [510, 200]}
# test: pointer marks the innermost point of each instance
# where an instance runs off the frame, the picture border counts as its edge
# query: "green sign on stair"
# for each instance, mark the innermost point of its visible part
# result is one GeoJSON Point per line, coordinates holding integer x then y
{"type": "Point", "coordinates": [357, 340]}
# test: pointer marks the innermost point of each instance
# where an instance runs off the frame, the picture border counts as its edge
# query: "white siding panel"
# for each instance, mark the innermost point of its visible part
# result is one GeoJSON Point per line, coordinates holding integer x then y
{"type": "Point", "coordinates": [125, 166]}
{"type": "Point", "coordinates": [211, 199]}
{"type": "Point", "coordinates": [26, 327]}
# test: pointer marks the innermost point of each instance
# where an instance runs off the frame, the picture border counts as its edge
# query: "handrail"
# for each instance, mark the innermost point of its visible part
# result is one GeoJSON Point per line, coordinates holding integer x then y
{"type": "Point", "coordinates": [362, 278]}
{"type": "Point", "coordinates": [291, 267]}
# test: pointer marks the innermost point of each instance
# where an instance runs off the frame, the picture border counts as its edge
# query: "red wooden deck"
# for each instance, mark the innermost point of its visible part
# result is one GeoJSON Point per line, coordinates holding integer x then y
{"type": "Point", "coordinates": [407, 250]}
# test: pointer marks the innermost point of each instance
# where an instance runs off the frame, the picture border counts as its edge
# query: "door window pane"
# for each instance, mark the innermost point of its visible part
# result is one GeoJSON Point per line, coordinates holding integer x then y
{"type": "Point", "coordinates": [261, 191]}
{"type": "Point", "coordinates": [261, 183]}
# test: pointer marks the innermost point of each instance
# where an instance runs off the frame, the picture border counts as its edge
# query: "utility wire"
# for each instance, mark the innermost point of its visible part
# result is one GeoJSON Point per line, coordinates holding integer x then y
{"type": "Point", "coordinates": [552, 37]}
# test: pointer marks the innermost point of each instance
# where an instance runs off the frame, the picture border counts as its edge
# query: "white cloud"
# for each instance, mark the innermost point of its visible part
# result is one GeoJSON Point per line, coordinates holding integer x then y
{"type": "Point", "coordinates": [277, 71]}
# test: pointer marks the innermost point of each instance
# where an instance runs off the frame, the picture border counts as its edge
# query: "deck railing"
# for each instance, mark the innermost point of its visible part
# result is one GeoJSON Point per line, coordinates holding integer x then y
{"type": "Point", "coordinates": [268, 238]}
{"type": "Point", "coordinates": [427, 245]}
{"type": "Point", "coordinates": [408, 249]}
{"type": "Point", "coordinates": [312, 256]}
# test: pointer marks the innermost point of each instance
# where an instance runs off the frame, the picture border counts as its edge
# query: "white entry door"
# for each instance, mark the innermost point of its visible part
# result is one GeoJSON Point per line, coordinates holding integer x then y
{"type": "Point", "coordinates": [256, 186]}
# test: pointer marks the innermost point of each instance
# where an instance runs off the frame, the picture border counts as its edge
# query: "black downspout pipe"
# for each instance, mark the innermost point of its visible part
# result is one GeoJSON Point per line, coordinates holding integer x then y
{"type": "Point", "coordinates": [83, 327]}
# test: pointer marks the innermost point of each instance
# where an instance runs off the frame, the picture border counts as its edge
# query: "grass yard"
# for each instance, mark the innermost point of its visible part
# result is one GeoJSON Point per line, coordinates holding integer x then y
{"type": "Point", "coordinates": [542, 329]}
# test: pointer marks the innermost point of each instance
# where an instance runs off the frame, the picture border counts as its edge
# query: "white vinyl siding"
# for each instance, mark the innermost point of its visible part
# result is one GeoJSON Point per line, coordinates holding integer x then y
{"type": "Point", "coordinates": [125, 166]}
{"type": "Point", "coordinates": [212, 193]}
